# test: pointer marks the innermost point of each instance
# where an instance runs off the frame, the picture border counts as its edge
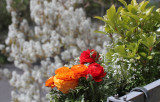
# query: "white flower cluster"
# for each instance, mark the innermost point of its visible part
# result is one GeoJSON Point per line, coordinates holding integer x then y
{"type": "Point", "coordinates": [61, 32]}
{"type": "Point", "coordinates": [5, 72]}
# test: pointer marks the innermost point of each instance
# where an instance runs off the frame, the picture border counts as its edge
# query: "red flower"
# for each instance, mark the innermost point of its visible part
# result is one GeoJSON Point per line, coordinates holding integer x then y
{"type": "Point", "coordinates": [96, 71]}
{"type": "Point", "coordinates": [89, 56]}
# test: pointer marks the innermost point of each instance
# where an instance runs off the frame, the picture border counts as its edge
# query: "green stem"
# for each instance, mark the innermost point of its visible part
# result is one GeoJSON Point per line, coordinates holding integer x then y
{"type": "Point", "coordinates": [92, 88]}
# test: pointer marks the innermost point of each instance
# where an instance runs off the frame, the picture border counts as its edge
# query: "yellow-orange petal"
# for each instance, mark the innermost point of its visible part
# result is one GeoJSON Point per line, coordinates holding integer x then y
{"type": "Point", "coordinates": [50, 82]}
{"type": "Point", "coordinates": [65, 85]}
{"type": "Point", "coordinates": [62, 70]}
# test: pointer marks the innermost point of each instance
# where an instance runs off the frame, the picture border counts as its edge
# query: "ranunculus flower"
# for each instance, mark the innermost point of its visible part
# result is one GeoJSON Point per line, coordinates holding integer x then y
{"type": "Point", "coordinates": [96, 71]}
{"type": "Point", "coordinates": [89, 56]}
{"type": "Point", "coordinates": [50, 82]}
{"type": "Point", "coordinates": [79, 70]}
{"type": "Point", "coordinates": [67, 78]}
{"type": "Point", "coordinates": [65, 85]}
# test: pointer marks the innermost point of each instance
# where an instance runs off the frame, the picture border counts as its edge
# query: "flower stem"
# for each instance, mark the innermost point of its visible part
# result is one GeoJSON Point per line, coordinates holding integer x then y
{"type": "Point", "coordinates": [93, 92]}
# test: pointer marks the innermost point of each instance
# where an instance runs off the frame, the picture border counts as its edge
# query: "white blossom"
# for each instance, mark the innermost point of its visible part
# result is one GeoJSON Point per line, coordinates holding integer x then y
{"type": "Point", "coordinates": [61, 32]}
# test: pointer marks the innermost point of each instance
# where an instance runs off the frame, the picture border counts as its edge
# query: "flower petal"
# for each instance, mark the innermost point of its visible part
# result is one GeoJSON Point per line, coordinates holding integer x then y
{"type": "Point", "coordinates": [50, 82]}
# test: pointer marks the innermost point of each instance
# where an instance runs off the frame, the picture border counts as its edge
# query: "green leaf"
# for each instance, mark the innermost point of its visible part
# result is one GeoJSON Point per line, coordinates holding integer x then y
{"type": "Point", "coordinates": [121, 50]}
{"type": "Point", "coordinates": [143, 5]}
{"type": "Point", "coordinates": [130, 15]}
{"type": "Point", "coordinates": [157, 42]}
{"type": "Point", "coordinates": [149, 41]}
{"type": "Point", "coordinates": [134, 2]}
{"type": "Point", "coordinates": [118, 12]}
{"type": "Point", "coordinates": [130, 32]}
{"type": "Point", "coordinates": [130, 7]}
{"type": "Point", "coordinates": [123, 2]}
{"type": "Point", "coordinates": [107, 29]}
{"type": "Point", "coordinates": [149, 57]}
{"type": "Point", "coordinates": [155, 53]}
{"type": "Point", "coordinates": [111, 14]}
{"type": "Point", "coordinates": [109, 55]}
{"type": "Point", "coordinates": [100, 18]}
{"type": "Point", "coordinates": [143, 54]}
{"type": "Point", "coordinates": [138, 57]}
{"type": "Point", "coordinates": [133, 48]}
{"type": "Point", "coordinates": [149, 10]}
{"type": "Point", "coordinates": [96, 31]}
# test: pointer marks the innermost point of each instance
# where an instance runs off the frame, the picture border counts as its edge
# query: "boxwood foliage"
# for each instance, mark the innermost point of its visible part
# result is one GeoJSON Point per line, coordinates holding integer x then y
{"type": "Point", "coordinates": [134, 56]}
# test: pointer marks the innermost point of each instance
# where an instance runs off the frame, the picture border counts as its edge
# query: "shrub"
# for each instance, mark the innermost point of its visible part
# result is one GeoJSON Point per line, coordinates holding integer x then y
{"type": "Point", "coordinates": [133, 58]}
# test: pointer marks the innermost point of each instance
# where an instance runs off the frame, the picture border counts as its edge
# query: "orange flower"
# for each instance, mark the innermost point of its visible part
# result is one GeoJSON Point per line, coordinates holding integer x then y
{"type": "Point", "coordinates": [65, 85]}
{"type": "Point", "coordinates": [68, 75]}
{"type": "Point", "coordinates": [50, 82]}
{"type": "Point", "coordinates": [62, 70]}
{"type": "Point", "coordinates": [63, 79]}
{"type": "Point", "coordinates": [67, 78]}
{"type": "Point", "coordinates": [79, 70]}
